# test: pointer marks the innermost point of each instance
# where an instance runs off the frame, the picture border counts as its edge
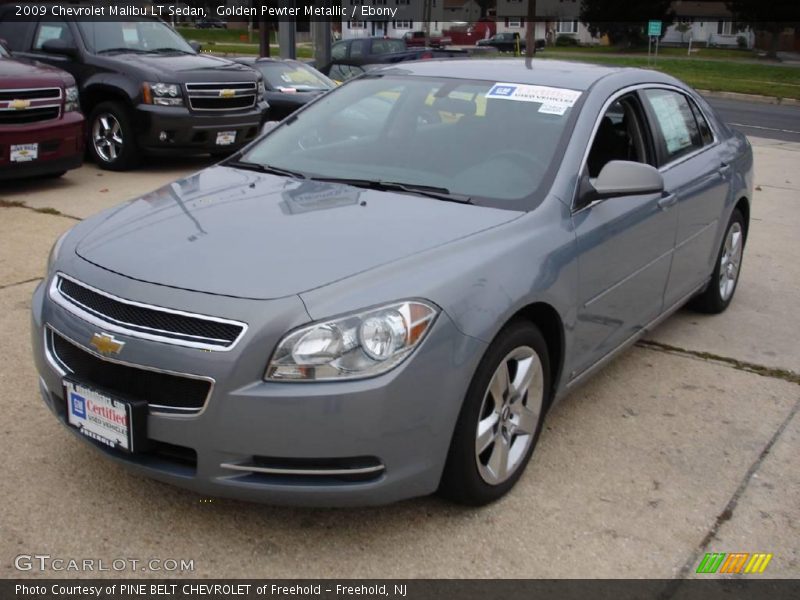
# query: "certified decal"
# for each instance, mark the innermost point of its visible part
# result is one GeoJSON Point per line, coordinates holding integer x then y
{"type": "Point", "coordinates": [554, 101]}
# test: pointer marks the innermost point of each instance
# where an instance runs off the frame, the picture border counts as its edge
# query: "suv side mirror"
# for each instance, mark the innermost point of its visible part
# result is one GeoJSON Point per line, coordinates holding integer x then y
{"type": "Point", "coordinates": [627, 178]}
{"type": "Point", "coordinates": [5, 45]}
{"type": "Point", "coordinates": [196, 46]}
{"type": "Point", "coordinates": [60, 47]}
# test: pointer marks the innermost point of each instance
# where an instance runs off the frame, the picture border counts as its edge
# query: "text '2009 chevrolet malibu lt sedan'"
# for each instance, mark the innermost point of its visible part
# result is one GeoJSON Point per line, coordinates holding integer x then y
{"type": "Point", "coordinates": [385, 294]}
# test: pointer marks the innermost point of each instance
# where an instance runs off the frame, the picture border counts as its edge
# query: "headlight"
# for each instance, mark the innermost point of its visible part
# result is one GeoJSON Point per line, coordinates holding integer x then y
{"type": "Point", "coordinates": [71, 100]}
{"type": "Point", "coordinates": [358, 345]}
{"type": "Point", "coordinates": [262, 90]}
{"type": "Point", "coordinates": [162, 94]}
{"type": "Point", "coordinates": [53, 256]}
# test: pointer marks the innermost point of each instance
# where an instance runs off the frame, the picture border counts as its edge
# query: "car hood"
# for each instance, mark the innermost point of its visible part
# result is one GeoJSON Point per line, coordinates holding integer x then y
{"type": "Point", "coordinates": [186, 68]}
{"type": "Point", "coordinates": [23, 74]}
{"type": "Point", "coordinates": [251, 235]}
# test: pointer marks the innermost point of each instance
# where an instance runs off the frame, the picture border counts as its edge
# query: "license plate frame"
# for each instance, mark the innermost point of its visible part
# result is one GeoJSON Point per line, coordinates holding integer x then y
{"type": "Point", "coordinates": [226, 138]}
{"type": "Point", "coordinates": [20, 153]}
{"type": "Point", "coordinates": [119, 423]}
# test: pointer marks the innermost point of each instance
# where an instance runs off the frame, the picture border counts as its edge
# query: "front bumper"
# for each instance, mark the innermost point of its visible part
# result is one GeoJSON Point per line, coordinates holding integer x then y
{"type": "Point", "coordinates": [189, 131]}
{"type": "Point", "coordinates": [402, 420]}
{"type": "Point", "coordinates": [61, 146]}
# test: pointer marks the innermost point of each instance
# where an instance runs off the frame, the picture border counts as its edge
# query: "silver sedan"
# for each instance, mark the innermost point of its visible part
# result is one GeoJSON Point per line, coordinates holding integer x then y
{"type": "Point", "coordinates": [383, 295]}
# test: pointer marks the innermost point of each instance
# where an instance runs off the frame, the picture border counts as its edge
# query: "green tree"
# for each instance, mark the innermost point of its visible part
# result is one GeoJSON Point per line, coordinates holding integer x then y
{"type": "Point", "coordinates": [771, 17]}
{"type": "Point", "coordinates": [623, 21]}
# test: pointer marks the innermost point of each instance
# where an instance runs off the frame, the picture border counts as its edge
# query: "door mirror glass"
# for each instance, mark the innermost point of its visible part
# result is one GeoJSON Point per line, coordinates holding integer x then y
{"type": "Point", "coordinates": [196, 46]}
{"type": "Point", "coordinates": [627, 178]}
{"type": "Point", "coordinates": [60, 47]}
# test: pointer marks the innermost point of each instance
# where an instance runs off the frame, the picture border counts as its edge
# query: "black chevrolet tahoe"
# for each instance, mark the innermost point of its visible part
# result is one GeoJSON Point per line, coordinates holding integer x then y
{"type": "Point", "coordinates": [144, 89]}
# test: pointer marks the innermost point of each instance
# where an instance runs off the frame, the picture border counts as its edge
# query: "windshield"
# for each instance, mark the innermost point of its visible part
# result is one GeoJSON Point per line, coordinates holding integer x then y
{"type": "Point", "coordinates": [472, 138]}
{"type": "Point", "coordinates": [295, 76]}
{"type": "Point", "coordinates": [132, 36]}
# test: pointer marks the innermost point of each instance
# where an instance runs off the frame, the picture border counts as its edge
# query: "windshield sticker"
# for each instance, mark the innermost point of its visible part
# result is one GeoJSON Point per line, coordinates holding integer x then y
{"type": "Point", "coordinates": [554, 101]}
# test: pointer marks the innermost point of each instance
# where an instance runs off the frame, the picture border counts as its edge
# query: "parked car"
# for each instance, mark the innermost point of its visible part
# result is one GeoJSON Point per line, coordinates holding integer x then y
{"type": "Point", "coordinates": [144, 88]}
{"type": "Point", "coordinates": [289, 84]}
{"type": "Point", "coordinates": [41, 126]}
{"type": "Point", "coordinates": [341, 72]}
{"type": "Point", "coordinates": [341, 314]}
{"type": "Point", "coordinates": [508, 42]}
{"type": "Point", "coordinates": [414, 39]}
{"type": "Point", "coordinates": [211, 24]}
{"type": "Point", "coordinates": [372, 51]}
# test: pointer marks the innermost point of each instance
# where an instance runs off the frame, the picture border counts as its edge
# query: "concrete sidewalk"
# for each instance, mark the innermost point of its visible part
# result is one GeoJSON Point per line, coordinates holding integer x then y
{"type": "Point", "coordinates": [675, 449]}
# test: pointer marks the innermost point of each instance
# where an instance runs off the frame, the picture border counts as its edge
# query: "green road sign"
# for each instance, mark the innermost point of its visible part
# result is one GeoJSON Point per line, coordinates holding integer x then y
{"type": "Point", "coordinates": [654, 28]}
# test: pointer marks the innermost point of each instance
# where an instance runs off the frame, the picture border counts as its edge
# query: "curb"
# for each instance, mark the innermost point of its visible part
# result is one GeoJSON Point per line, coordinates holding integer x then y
{"type": "Point", "coordinates": [750, 98]}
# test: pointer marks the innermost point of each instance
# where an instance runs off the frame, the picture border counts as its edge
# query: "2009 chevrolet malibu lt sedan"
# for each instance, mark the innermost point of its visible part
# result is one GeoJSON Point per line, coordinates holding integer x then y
{"type": "Point", "coordinates": [383, 296]}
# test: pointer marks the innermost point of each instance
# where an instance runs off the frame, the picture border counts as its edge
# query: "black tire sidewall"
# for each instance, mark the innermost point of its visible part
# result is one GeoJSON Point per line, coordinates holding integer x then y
{"type": "Point", "coordinates": [461, 481]}
{"type": "Point", "coordinates": [129, 157]}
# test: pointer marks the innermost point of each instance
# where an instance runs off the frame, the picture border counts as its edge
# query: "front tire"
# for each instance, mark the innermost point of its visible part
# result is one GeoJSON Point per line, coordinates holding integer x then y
{"type": "Point", "coordinates": [719, 293]}
{"type": "Point", "coordinates": [501, 418]}
{"type": "Point", "coordinates": [112, 140]}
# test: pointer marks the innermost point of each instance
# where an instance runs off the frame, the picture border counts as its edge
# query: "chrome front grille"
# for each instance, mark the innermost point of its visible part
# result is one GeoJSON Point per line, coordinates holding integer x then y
{"type": "Point", "coordinates": [164, 391]}
{"type": "Point", "coordinates": [221, 96]}
{"type": "Point", "coordinates": [145, 321]}
{"type": "Point", "coordinates": [21, 106]}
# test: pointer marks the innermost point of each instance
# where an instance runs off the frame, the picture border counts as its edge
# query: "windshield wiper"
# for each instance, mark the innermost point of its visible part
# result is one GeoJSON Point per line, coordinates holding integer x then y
{"type": "Point", "coordinates": [165, 50]}
{"type": "Point", "coordinates": [440, 193]}
{"type": "Point", "coordinates": [261, 168]}
{"type": "Point", "coordinates": [122, 49]}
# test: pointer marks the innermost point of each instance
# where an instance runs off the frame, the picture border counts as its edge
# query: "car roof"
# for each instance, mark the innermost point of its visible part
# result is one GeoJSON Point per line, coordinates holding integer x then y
{"type": "Point", "coordinates": [556, 73]}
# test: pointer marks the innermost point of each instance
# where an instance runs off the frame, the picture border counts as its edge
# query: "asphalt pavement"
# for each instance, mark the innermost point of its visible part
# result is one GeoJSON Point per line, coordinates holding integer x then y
{"type": "Point", "coordinates": [771, 121]}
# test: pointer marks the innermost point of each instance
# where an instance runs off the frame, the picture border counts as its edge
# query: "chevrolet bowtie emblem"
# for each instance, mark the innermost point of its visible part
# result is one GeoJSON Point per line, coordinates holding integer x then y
{"type": "Point", "coordinates": [227, 93]}
{"type": "Point", "coordinates": [106, 344]}
{"type": "Point", "coordinates": [19, 104]}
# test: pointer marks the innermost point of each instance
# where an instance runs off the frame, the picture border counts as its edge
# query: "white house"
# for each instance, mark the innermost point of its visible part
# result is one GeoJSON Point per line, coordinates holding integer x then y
{"type": "Point", "coordinates": [554, 18]}
{"type": "Point", "coordinates": [393, 28]}
{"type": "Point", "coordinates": [705, 22]}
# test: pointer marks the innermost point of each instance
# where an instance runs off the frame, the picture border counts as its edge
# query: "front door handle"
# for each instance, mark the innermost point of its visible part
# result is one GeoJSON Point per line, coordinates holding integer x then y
{"type": "Point", "coordinates": [724, 169]}
{"type": "Point", "coordinates": [667, 201]}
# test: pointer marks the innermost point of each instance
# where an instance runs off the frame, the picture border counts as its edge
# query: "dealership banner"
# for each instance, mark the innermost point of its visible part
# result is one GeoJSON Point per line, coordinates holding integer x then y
{"type": "Point", "coordinates": [400, 589]}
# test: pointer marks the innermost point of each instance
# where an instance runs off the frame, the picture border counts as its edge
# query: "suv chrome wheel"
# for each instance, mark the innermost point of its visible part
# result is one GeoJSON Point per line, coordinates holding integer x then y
{"type": "Point", "coordinates": [107, 137]}
{"type": "Point", "coordinates": [509, 415]}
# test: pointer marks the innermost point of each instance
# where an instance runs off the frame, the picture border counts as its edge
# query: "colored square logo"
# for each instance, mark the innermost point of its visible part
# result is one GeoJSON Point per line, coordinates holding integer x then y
{"type": "Point", "coordinates": [78, 405]}
{"type": "Point", "coordinates": [502, 90]}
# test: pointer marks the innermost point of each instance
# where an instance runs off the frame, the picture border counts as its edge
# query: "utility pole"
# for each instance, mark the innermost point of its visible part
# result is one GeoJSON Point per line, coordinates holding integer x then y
{"type": "Point", "coordinates": [322, 38]}
{"type": "Point", "coordinates": [426, 21]}
{"type": "Point", "coordinates": [530, 30]}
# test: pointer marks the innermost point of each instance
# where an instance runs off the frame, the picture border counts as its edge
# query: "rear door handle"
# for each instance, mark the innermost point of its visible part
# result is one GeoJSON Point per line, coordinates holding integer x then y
{"type": "Point", "coordinates": [667, 201]}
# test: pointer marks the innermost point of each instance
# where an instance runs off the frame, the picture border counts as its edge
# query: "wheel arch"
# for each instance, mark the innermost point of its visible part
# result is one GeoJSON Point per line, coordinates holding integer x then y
{"type": "Point", "coordinates": [97, 93]}
{"type": "Point", "coordinates": [743, 206]}
{"type": "Point", "coordinates": [550, 323]}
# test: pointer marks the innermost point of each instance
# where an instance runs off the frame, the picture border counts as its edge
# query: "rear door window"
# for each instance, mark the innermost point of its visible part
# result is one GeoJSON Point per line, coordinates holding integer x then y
{"type": "Point", "coordinates": [674, 119]}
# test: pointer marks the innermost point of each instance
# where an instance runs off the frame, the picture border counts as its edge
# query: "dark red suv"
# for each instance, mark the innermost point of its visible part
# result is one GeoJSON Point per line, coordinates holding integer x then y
{"type": "Point", "coordinates": [41, 125]}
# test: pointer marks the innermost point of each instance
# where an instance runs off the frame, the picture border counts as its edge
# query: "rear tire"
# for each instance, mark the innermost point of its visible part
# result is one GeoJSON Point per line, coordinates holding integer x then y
{"type": "Point", "coordinates": [501, 418]}
{"type": "Point", "coordinates": [725, 278]}
{"type": "Point", "coordinates": [112, 140]}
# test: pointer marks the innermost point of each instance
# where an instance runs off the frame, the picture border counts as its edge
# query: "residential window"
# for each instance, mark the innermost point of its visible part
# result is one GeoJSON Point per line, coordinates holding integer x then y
{"type": "Point", "coordinates": [724, 27]}
{"type": "Point", "coordinates": [356, 25]}
{"type": "Point", "coordinates": [567, 27]}
{"type": "Point", "coordinates": [515, 22]}
{"type": "Point", "coordinates": [379, 2]}
{"type": "Point", "coordinates": [402, 2]}
{"type": "Point", "coordinates": [403, 24]}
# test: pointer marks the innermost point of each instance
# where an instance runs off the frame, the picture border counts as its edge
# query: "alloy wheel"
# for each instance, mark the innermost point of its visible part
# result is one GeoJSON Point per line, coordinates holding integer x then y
{"type": "Point", "coordinates": [107, 137]}
{"type": "Point", "coordinates": [509, 415]}
{"type": "Point", "coordinates": [730, 261]}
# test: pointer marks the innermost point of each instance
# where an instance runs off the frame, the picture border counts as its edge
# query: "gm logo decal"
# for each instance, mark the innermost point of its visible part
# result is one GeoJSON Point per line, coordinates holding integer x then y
{"type": "Point", "coordinates": [503, 91]}
{"type": "Point", "coordinates": [78, 405]}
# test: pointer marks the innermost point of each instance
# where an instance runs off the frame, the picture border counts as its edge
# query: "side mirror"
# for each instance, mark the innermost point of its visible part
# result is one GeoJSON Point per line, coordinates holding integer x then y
{"type": "Point", "coordinates": [60, 47]}
{"type": "Point", "coordinates": [196, 46]}
{"type": "Point", "coordinates": [627, 178]}
{"type": "Point", "coordinates": [5, 45]}
{"type": "Point", "coordinates": [268, 126]}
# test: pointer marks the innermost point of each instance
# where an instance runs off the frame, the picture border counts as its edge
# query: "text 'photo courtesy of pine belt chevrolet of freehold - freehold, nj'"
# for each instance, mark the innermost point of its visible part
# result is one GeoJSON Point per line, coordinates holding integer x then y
{"type": "Point", "coordinates": [399, 298]}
